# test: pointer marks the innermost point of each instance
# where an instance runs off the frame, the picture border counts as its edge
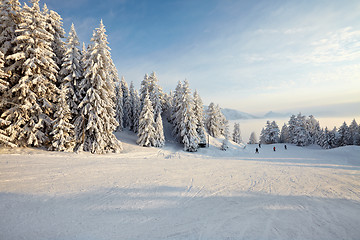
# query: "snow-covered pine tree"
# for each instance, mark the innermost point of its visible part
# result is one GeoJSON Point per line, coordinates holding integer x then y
{"type": "Point", "coordinates": [225, 142]}
{"type": "Point", "coordinates": [132, 98]}
{"type": "Point", "coordinates": [10, 18]}
{"type": "Point", "coordinates": [54, 26]}
{"type": "Point", "coordinates": [71, 71]}
{"type": "Point", "coordinates": [136, 111]}
{"type": "Point", "coordinates": [126, 103]}
{"type": "Point", "coordinates": [119, 106]}
{"type": "Point", "coordinates": [263, 136]}
{"type": "Point", "coordinates": [213, 121]}
{"type": "Point", "coordinates": [96, 122]}
{"type": "Point", "coordinates": [4, 82]}
{"type": "Point", "coordinates": [144, 89]}
{"type": "Point", "coordinates": [159, 131]}
{"type": "Point", "coordinates": [344, 135]}
{"type": "Point", "coordinates": [284, 134]}
{"type": "Point", "coordinates": [175, 117]}
{"type": "Point", "coordinates": [253, 139]}
{"type": "Point", "coordinates": [146, 131]}
{"type": "Point", "coordinates": [270, 134]}
{"type": "Point", "coordinates": [187, 120]}
{"type": "Point", "coordinates": [312, 126]}
{"type": "Point", "coordinates": [156, 94]}
{"type": "Point", "coordinates": [236, 137]}
{"type": "Point", "coordinates": [333, 137]}
{"type": "Point", "coordinates": [34, 95]}
{"type": "Point", "coordinates": [199, 114]}
{"type": "Point", "coordinates": [63, 131]}
{"type": "Point", "coordinates": [354, 133]}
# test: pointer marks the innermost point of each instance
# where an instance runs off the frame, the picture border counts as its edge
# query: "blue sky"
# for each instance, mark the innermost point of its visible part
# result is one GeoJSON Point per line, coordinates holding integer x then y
{"type": "Point", "coordinates": [254, 56]}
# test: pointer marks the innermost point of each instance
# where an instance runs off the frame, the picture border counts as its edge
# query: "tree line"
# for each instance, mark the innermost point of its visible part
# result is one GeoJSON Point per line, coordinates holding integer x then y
{"type": "Point", "coordinates": [302, 131]}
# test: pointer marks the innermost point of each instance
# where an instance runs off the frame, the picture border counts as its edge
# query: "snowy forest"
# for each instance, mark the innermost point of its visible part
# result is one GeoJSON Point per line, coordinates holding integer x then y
{"type": "Point", "coordinates": [62, 96]}
{"type": "Point", "coordinates": [303, 131]}
{"type": "Point", "coordinates": [56, 96]}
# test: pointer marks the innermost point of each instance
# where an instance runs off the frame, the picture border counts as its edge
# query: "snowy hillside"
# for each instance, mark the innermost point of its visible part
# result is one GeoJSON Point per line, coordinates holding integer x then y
{"type": "Point", "coordinates": [166, 193]}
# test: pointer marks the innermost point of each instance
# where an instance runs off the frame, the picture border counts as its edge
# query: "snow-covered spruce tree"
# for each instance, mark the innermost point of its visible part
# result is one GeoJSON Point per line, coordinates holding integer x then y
{"type": "Point", "coordinates": [344, 135]}
{"type": "Point", "coordinates": [71, 71]}
{"type": "Point", "coordinates": [63, 131]}
{"type": "Point", "coordinates": [96, 122]}
{"type": "Point", "coordinates": [146, 131]}
{"type": "Point", "coordinates": [159, 131]}
{"type": "Point", "coordinates": [213, 122]}
{"type": "Point", "coordinates": [284, 134]}
{"type": "Point", "coordinates": [298, 132]}
{"type": "Point", "coordinates": [236, 137]}
{"type": "Point", "coordinates": [225, 142]}
{"type": "Point", "coordinates": [312, 126]}
{"type": "Point", "coordinates": [126, 103]}
{"type": "Point", "coordinates": [119, 106]}
{"type": "Point", "coordinates": [132, 98]}
{"type": "Point", "coordinates": [156, 94]}
{"type": "Point", "coordinates": [136, 111]}
{"type": "Point", "coordinates": [34, 95]}
{"type": "Point", "coordinates": [199, 114]}
{"type": "Point", "coordinates": [54, 26]}
{"type": "Point", "coordinates": [144, 89]}
{"type": "Point", "coordinates": [10, 18]}
{"type": "Point", "coordinates": [354, 133]}
{"type": "Point", "coordinates": [4, 82]}
{"type": "Point", "coordinates": [175, 118]}
{"type": "Point", "coordinates": [187, 120]}
{"type": "Point", "coordinates": [253, 139]}
{"type": "Point", "coordinates": [270, 134]}
{"type": "Point", "coordinates": [4, 137]}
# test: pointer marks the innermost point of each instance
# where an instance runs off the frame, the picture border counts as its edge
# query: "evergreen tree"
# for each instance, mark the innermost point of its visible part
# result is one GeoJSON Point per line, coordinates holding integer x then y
{"type": "Point", "coordinates": [34, 95]}
{"type": "Point", "coordinates": [236, 137]}
{"type": "Point", "coordinates": [344, 136]}
{"type": "Point", "coordinates": [225, 142]}
{"type": "Point", "coordinates": [176, 117]}
{"type": "Point", "coordinates": [312, 126]}
{"type": "Point", "coordinates": [54, 26]}
{"type": "Point", "coordinates": [71, 71]}
{"type": "Point", "coordinates": [270, 134]}
{"type": "Point", "coordinates": [187, 120]}
{"type": "Point", "coordinates": [96, 122]}
{"type": "Point", "coordinates": [199, 114]}
{"type": "Point", "coordinates": [63, 131]}
{"type": "Point", "coordinates": [4, 83]}
{"type": "Point", "coordinates": [146, 130]}
{"type": "Point", "coordinates": [159, 132]}
{"type": "Point", "coordinates": [10, 18]}
{"type": "Point", "coordinates": [126, 103]}
{"type": "Point", "coordinates": [119, 106]}
{"type": "Point", "coordinates": [136, 111]}
{"type": "Point", "coordinates": [354, 133]}
{"type": "Point", "coordinates": [213, 121]}
{"type": "Point", "coordinates": [284, 135]}
{"type": "Point", "coordinates": [253, 139]}
{"type": "Point", "coordinates": [132, 116]}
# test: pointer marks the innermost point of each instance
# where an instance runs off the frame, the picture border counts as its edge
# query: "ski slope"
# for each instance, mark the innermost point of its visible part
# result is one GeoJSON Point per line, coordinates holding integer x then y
{"type": "Point", "coordinates": [151, 193]}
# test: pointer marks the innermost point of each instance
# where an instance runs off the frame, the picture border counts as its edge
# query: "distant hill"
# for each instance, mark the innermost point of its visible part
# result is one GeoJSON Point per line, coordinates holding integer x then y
{"type": "Point", "coordinates": [272, 114]}
{"type": "Point", "coordinates": [232, 114]}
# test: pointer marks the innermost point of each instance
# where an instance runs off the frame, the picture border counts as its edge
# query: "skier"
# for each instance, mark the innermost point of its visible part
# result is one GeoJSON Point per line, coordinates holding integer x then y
{"type": "Point", "coordinates": [256, 150]}
{"type": "Point", "coordinates": [259, 145]}
{"type": "Point", "coordinates": [285, 147]}
{"type": "Point", "coordinates": [274, 149]}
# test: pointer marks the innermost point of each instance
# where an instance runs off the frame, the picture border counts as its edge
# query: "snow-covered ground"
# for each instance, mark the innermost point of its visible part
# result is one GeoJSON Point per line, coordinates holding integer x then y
{"type": "Point", "coordinates": [151, 193]}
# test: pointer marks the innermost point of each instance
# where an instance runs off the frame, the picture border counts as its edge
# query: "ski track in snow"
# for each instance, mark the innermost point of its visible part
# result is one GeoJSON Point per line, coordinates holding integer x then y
{"type": "Point", "coordinates": [147, 193]}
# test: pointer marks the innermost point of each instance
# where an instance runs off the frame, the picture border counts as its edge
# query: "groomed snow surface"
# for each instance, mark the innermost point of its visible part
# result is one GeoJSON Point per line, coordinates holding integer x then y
{"type": "Point", "coordinates": [152, 193]}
